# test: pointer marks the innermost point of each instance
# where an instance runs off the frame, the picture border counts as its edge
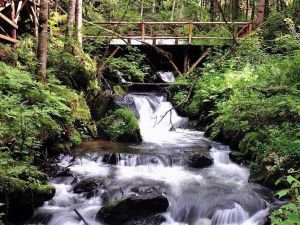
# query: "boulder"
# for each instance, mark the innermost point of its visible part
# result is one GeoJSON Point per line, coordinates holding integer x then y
{"type": "Point", "coordinates": [112, 159]}
{"type": "Point", "coordinates": [198, 159]}
{"type": "Point", "coordinates": [134, 208]}
{"type": "Point", "coordinates": [21, 197]}
{"type": "Point", "coordinates": [126, 101]}
{"type": "Point", "coordinates": [149, 220]}
{"type": "Point", "coordinates": [88, 185]}
{"type": "Point", "coordinates": [120, 125]}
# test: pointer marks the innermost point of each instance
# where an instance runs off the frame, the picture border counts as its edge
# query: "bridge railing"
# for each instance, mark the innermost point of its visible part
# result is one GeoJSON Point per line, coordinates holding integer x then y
{"type": "Point", "coordinates": [185, 32]}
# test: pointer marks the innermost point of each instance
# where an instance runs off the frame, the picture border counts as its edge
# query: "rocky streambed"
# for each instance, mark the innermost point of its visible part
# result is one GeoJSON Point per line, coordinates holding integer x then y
{"type": "Point", "coordinates": [175, 176]}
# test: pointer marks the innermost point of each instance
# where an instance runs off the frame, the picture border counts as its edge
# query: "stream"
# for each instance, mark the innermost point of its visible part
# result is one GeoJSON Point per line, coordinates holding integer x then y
{"type": "Point", "coordinates": [217, 194]}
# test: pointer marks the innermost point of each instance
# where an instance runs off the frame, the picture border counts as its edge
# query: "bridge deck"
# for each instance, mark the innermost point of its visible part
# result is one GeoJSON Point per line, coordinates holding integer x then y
{"type": "Point", "coordinates": [170, 33]}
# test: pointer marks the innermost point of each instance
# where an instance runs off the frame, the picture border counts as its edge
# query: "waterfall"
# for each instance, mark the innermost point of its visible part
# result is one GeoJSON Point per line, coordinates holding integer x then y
{"type": "Point", "coordinates": [157, 118]}
{"type": "Point", "coordinates": [167, 77]}
{"type": "Point", "coordinates": [219, 194]}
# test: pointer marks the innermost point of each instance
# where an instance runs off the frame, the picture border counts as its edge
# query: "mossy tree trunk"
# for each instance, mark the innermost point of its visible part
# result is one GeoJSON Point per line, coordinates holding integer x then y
{"type": "Point", "coordinates": [212, 10]}
{"type": "Point", "coordinates": [71, 17]}
{"type": "Point", "coordinates": [79, 22]}
{"type": "Point", "coordinates": [43, 40]}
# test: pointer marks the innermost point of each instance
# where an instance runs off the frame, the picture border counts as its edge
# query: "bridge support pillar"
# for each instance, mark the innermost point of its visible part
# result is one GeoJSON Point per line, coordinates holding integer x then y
{"type": "Point", "coordinates": [186, 61]}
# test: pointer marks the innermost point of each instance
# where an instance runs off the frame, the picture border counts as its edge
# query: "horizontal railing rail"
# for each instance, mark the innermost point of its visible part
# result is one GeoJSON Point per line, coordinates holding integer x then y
{"type": "Point", "coordinates": [184, 30]}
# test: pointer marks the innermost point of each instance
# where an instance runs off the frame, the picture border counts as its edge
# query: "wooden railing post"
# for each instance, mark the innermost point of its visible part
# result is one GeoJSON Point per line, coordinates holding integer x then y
{"type": "Point", "coordinates": [143, 30]}
{"type": "Point", "coordinates": [250, 26]}
{"type": "Point", "coordinates": [190, 32]}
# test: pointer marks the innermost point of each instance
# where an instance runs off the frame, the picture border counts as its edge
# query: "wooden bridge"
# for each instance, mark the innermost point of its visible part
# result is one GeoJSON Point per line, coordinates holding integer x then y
{"type": "Point", "coordinates": [170, 33]}
{"type": "Point", "coordinates": [14, 14]}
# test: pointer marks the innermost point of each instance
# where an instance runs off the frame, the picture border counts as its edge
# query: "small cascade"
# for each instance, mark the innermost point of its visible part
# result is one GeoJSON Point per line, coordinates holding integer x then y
{"type": "Point", "coordinates": [158, 119]}
{"type": "Point", "coordinates": [167, 77]}
{"type": "Point", "coordinates": [169, 160]}
{"type": "Point", "coordinates": [234, 216]}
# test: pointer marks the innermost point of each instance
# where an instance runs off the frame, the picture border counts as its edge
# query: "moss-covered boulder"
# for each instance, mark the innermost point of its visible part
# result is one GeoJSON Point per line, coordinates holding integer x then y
{"type": "Point", "coordinates": [121, 125]}
{"type": "Point", "coordinates": [22, 188]}
{"type": "Point", "coordinates": [19, 197]}
{"type": "Point", "coordinates": [136, 208]}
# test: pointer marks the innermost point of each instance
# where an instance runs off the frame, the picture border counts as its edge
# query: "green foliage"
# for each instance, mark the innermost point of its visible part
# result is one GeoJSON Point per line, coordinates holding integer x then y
{"type": "Point", "coordinates": [289, 213]}
{"type": "Point", "coordinates": [250, 98]}
{"type": "Point", "coordinates": [131, 65]}
{"type": "Point", "coordinates": [76, 71]}
{"type": "Point", "coordinates": [25, 54]}
{"type": "Point", "coordinates": [32, 112]}
{"type": "Point", "coordinates": [6, 54]}
{"type": "Point", "coordinates": [21, 183]}
{"type": "Point", "coordinates": [121, 125]}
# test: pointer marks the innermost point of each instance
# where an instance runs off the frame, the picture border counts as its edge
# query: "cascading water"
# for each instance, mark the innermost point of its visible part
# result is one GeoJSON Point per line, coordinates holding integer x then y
{"type": "Point", "coordinates": [219, 194]}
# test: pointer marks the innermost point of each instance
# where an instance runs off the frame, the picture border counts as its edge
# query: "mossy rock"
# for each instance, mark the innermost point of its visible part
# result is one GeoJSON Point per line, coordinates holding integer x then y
{"type": "Point", "coordinates": [121, 125]}
{"type": "Point", "coordinates": [136, 208]}
{"type": "Point", "coordinates": [99, 106]}
{"type": "Point", "coordinates": [21, 197]}
{"type": "Point", "coordinates": [89, 185]}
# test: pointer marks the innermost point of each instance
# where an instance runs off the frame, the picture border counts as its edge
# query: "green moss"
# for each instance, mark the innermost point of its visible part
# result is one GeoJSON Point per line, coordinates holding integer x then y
{"type": "Point", "coordinates": [75, 137]}
{"type": "Point", "coordinates": [22, 187]}
{"type": "Point", "coordinates": [122, 125]}
{"type": "Point", "coordinates": [33, 112]}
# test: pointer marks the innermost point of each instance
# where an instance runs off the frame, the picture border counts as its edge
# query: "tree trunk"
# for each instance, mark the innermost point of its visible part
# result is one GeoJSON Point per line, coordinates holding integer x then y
{"type": "Point", "coordinates": [142, 8]}
{"type": "Point", "coordinates": [56, 5]}
{"type": "Point", "coordinates": [260, 13]}
{"type": "Point", "coordinates": [173, 9]}
{"type": "Point", "coordinates": [71, 17]}
{"type": "Point", "coordinates": [79, 22]}
{"type": "Point", "coordinates": [153, 6]}
{"type": "Point", "coordinates": [212, 10]}
{"type": "Point", "coordinates": [42, 40]}
{"type": "Point", "coordinates": [252, 9]}
{"type": "Point", "coordinates": [247, 9]}
{"type": "Point", "coordinates": [282, 5]}
{"type": "Point", "coordinates": [235, 9]}
{"type": "Point", "coordinates": [267, 8]}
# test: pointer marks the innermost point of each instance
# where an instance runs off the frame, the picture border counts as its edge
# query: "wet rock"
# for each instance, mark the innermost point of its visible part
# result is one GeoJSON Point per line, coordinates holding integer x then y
{"type": "Point", "coordinates": [99, 106]}
{"type": "Point", "coordinates": [21, 197]}
{"type": "Point", "coordinates": [198, 159]}
{"type": "Point", "coordinates": [204, 144]}
{"type": "Point", "coordinates": [88, 185]}
{"type": "Point", "coordinates": [112, 159]}
{"type": "Point", "coordinates": [113, 194]}
{"type": "Point", "coordinates": [135, 208]}
{"type": "Point", "coordinates": [149, 220]}
{"type": "Point", "coordinates": [126, 101]}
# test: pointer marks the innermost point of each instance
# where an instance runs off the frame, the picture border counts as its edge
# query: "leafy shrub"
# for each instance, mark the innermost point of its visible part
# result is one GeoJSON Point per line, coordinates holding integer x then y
{"type": "Point", "coordinates": [250, 100]}
{"type": "Point", "coordinates": [289, 212]}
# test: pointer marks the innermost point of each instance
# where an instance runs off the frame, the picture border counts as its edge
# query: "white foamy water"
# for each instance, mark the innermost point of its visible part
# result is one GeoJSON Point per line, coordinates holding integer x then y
{"type": "Point", "coordinates": [216, 195]}
{"type": "Point", "coordinates": [167, 77]}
